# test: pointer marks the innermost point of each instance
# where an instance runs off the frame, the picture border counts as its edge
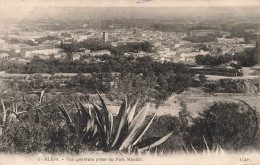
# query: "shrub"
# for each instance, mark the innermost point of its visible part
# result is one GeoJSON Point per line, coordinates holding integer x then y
{"type": "Point", "coordinates": [231, 125]}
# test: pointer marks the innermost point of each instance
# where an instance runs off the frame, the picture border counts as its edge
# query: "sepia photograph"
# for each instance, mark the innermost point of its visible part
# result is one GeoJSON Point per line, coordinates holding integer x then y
{"type": "Point", "coordinates": [143, 82]}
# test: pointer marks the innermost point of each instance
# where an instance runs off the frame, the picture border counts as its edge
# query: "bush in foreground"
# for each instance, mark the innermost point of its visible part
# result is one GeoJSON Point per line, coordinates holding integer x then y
{"type": "Point", "coordinates": [233, 126]}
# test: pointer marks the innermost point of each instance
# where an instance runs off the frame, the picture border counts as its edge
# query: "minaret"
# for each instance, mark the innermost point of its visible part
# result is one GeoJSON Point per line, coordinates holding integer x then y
{"type": "Point", "coordinates": [105, 37]}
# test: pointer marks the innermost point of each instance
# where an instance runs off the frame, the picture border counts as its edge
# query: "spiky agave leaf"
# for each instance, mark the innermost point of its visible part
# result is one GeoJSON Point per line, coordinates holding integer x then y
{"type": "Point", "coordinates": [12, 117]}
{"type": "Point", "coordinates": [90, 125]}
{"type": "Point", "coordinates": [140, 117]}
{"type": "Point", "coordinates": [129, 149]}
{"type": "Point", "coordinates": [135, 125]}
{"type": "Point", "coordinates": [21, 112]}
{"type": "Point", "coordinates": [153, 142]}
{"type": "Point", "coordinates": [217, 150]}
{"type": "Point", "coordinates": [79, 113]}
{"type": "Point", "coordinates": [15, 111]}
{"type": "Point", "coordinates": [41, 96]}
{"type": "Point", "coordinates": [194, 149]}
{"type": "Point", "coordinates": [143, 131]}
{"type": "Point", "coordinates": [89, 111]}
{"type": "Point", "coordinates": [62, 123]}
{"type": "Point", "coordinates": [4, 113]}
{"type": "Point", "coordinates": [98, 114]}
{"type": "Point", "coordinates": [111, 121]}
{"type": "Point", "coordinates": [119, 117]}
{"type": "Point", "coordinates": [122, 109]}
{"type": "Point", "coordinates": [89, 131]}
{"type": "Point", "coordinates": [206, 144]}
{"type": "Point", "coordinates": [94, 131]}
{"type": "Point", "coordinates": [122, 128]}
{"type": "Point", "coordinates": [66, 120]}
{"type": "Point", "coordinates": [155, 151]}
{"type": "Point", "coordinates": [14, 108]}
{"type": "Point", "coordinates": [184, 147]}
{"type": "Point", "coordinates": [89, 128]}
{"type": "Point", "coordinates": [222, 152]}
{"type": "Point", "coordinates": [132, 112]}
{"type": "Point", "coordinates": [37, 117]}
{"type": "Point", "coordinates": [65, 113]}
{"type": "Point", "coordinates": [161, 153]}
{"type": "Point", "coordinates": [99, 120]}
{"type": "Point", "coordinates": [106, 116]}
{"type": "Point", "coordinates": [85, 114]}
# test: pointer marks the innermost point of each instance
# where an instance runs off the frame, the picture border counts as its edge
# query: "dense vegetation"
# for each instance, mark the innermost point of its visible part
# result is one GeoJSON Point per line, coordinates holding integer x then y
{"type": "Point", "coordinates": [240, 31]}
{"type": "Point", "coordinates": [141, 77]}
{"type": "Point", "coordinates": [130, 85]}
{"type": "Point", "coordinates": [247, 58]}
{"type": "Point", "coordinates": [50, 127]}
{"type": "Point", "coordinates": [213, 60]}
{"type": "Point", "coordinates": [232, 86]}
{"type": "Point", "coordinates": [30, 126]}
{"type": "Point", "coordinates": [42, 39]}
{"type": "Point", "coordinates": [96, 44]}
{"type": "Point", "coordinates": [144, 65]}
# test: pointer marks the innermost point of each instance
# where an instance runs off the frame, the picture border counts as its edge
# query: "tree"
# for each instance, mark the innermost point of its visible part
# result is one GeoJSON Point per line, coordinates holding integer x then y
{"type": "Point", "coordinates": [230, 125]}
{"type": "Point", "coordinates": [37, 65]}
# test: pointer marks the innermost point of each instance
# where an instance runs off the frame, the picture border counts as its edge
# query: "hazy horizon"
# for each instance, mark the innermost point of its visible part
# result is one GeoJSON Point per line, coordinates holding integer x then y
{"type": "Point", "coordinates": [24, 9]}
{"type": "Point", "coordinates": [57, 12]}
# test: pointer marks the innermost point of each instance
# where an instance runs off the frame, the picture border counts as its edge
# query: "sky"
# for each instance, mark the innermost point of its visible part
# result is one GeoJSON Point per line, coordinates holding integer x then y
{"type": "Point", "coordinates": [126, 3]}
{"type": "Point", "coordinates": [22, 8]}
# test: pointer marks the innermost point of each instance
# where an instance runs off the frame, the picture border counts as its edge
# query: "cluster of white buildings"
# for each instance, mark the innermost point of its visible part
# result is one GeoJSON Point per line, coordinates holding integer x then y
{"type": "Point", "coordinates": [230, 40]}
{"type": "Point", "coordinates": [169, 46]}
{"type": "Point", "coordinates": [38, 50]}
{"type": "Point", "coordinates": [88, 53]}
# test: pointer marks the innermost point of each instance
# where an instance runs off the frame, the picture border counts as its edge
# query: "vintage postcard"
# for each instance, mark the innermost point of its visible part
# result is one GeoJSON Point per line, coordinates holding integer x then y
{"type": "Point", "coordinates": [143, 82]}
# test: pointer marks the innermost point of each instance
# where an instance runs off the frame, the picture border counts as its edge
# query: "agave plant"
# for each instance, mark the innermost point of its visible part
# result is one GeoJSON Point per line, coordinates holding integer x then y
{"type": "Point", "coordinates": [4, 118]}
{"type": "Point", "coordinates": [121, 132]}
{"type": "Point", "coordinates": [36, 105]}
{"type": "Point", "coordinates": [127, 131]}
{"type": "Point", "coordinates": [217, 150]}
{"type": "Point", "coordinates": [85, 123]}
{"type": "Point", "coordinates": [15, 115]}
